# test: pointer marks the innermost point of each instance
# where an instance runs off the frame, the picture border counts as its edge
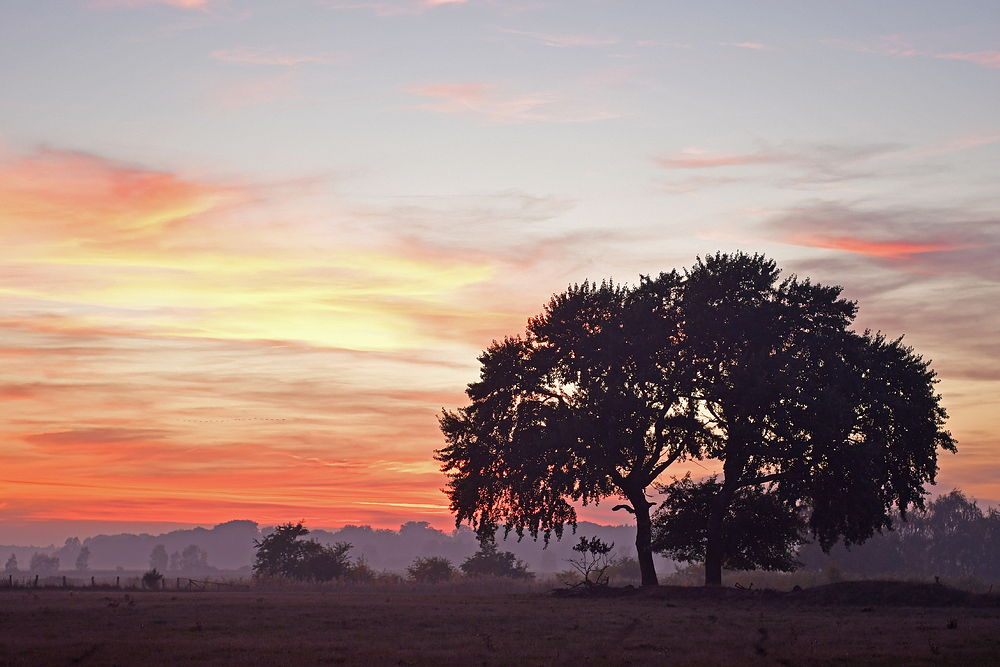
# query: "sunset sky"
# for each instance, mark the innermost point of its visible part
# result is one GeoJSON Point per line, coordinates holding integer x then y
{"type": "Point", "coordinates": [249, 249]}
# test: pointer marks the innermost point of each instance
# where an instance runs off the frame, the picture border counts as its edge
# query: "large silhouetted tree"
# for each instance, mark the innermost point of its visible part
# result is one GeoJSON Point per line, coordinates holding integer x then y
{"type": "Point", "coordinates": [844, 425]}
{"type": "Point", "coordinates": [612, 384]}
{"type": "Point", "coordinates": [590, 403]}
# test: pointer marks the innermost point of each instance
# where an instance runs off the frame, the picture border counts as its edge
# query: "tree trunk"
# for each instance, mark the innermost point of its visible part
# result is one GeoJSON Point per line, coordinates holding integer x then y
{"type": "Point", "coordinates": [643, 540]}
{"type": "Point", "coordinates": [713, 547]}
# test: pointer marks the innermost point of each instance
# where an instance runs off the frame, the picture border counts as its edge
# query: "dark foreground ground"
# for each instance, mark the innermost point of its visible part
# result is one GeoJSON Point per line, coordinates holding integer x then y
{"type": "Point", "coordinates": [853, 623]}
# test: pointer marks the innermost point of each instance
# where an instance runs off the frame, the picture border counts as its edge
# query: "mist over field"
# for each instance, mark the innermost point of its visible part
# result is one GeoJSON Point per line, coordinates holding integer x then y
{"type": "Point", "coordinates": [230, 547]}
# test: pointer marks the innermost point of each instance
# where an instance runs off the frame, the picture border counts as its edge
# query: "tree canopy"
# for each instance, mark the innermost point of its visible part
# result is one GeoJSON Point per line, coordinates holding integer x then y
{"type": "Point", "coordinates": [610, 385]}
{"type": "Point", "coordinates": [588, 404]}
{"type": "Point", "coordinates": [283, 554]}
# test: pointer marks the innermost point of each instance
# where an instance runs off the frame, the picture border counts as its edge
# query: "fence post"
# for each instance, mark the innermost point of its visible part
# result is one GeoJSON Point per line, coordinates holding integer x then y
{"type": "Point", "coordinates": [92, 584]}
{"type": "Point", "coordinates": [118, 582]}
{"type": "Point", "coordinates": [36, 581]}
{"type": "Point", "coordinates": [64, 581]}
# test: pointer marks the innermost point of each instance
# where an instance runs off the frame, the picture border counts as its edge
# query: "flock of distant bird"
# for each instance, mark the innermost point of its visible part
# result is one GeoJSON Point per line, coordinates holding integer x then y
{"type": "Point", "coordinates": [238, 419]}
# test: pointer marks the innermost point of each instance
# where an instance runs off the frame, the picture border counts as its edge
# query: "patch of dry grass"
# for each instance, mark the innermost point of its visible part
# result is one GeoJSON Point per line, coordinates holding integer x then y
{"type": "Point", "coordinates": [450, 626]}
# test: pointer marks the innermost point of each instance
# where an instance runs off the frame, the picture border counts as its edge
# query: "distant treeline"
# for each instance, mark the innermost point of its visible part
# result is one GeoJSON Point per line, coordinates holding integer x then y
{"type": "Point", "coordinates": [954, 537]}
{"type": "Point", "coordinates": [230, 547]}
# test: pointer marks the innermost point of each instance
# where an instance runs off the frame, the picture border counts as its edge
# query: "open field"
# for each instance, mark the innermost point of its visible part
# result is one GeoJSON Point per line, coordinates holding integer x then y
{"type": "Point", "coordinates": [851, 623]}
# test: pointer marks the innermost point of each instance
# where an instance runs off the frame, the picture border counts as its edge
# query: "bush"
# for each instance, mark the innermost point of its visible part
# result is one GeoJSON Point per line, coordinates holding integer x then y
{"type": "Point", "coordinates": [42, 564]}
{"type": "Point", "coordinates": [152, 580]}
{"type": "Point", "coordinates": [488, 562]}
{"type": "Point", "coordinates": [431, 570]}
{"type": "Point", "coordinates": [282, 554]}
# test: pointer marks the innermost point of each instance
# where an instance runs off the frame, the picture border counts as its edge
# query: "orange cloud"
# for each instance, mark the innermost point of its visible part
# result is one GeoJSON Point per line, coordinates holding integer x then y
{"type": "Point", "coordinates": [75, 198]}
{"type": "Point", "coordinates": [883, 249]}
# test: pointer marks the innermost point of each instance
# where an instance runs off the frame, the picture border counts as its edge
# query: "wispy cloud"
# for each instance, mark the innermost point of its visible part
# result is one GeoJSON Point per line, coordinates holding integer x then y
{"type": "Point", "coordinates": [182, 4]}
{"type": "Point", "coordinates": [936, 241]}
{"type": "Point", "coordinates": [985, 58]}
{"type": "Point", "coordinates": [904, 47]}
{"type": "Point", "coordinates": [263, 90]}
{"type": "Point", "coordinates": [262, 56]}
{"type": "Point", "coordinates": [694, 158]}
{"type": "Point", "coordinates": [561, 41]}
{"type": "Point", "coordinates": [489, 102]}
{"type": "Point", "coordinates": [397, 7]}
{"type": "Point", "coordinates": [756, 46]}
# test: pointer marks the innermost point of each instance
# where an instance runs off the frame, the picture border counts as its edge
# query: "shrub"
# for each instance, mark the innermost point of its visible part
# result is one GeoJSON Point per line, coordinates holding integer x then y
{"type": "Point", "coordinates": [488, 562]}
{"type": "Point", "coordinates": [431, 570]}
{"type": "Point", "coordinates": [152, 580]}
{"type": "Point", "coordinates": [282, 554]}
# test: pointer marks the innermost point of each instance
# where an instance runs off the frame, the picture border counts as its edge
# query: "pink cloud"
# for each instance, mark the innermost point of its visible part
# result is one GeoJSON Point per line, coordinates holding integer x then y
{"type": "Point", "coordinates": [985, 58]}
{"type": "Point", "coordinates": [257, 91]}
{"type": "Point", "coordinates": [182, 4]}
{"type": "Point", "coordinates": [393, 8]}
{"type": "Point", "coordinates": [561, 40]}
{"type": "Point", "coordinates": [268, 57]}
{"type": "Point", "coordinates": [487, 101]}
{"type": "Point", "coordinates": [697, 159]}
{"type": "Point", "coordinates": [860, 246]}
{"type": "Point", "coordinates": [748, 45]}
{"type": "Point", "coordinates": [71, 195]}
{"type": "Point", "coordinates": [900, 46]}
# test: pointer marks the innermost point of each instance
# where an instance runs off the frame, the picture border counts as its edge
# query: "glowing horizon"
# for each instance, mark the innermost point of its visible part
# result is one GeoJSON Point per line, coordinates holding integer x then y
{"type": "Point", "coordinates": [248, 252]}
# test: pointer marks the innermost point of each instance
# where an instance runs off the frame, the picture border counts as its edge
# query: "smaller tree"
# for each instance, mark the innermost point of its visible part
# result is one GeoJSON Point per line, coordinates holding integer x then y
{"type": "Point", "coordinates": [489, 562]}
{"type": "Point", "coordinates": [11, 564]}
{"type": "Point", "coordinates": [282, 554]}
{"type": "Point", "coordinates": [158, 558]}
{"type": "Point", "coordinates": [595, 559]}
{"type": "Point", "coordinates": [193, 559]}
{"type": "Point", "coordinates": [431, 570]}
{"type": "Point", "coordinates": [152, 580]}
{"type": "Point", "coordinates": [759, 530]}
{"type": "Point", "coordinates": [42, 564]}
{"type": "Point", "coordinates": [83, 560]}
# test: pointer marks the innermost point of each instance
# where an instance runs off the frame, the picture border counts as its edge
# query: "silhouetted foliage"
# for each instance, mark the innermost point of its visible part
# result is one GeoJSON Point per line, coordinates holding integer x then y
{"type": "Point", "coordinates": [192, 559]}
{"type": "Point", "coordinates": [953, 537]}
{"type": "Point", "coordinates": [42, 564]}
{"type": "Point", "coordinates": [83, 559]}
{"type": "Point", "coordinates": [759, 529]}
{"type": "Point", "coordinates": [595, 559]}
{"type": "Point", "coordinates": [152, 580]}
{"type": "Point", "coordinates": [158, 559]}
{"type": "Point", "coordinates": [489, 562]}
{"type": "Point", "coordinates": [625, 568]}
{"type": "Point", "coordinates": [11, 565]}
{"type": "Point", "coordinates": [610, 385]}
{"type": "Point", "coordinates": [587, 405]}
{"type": "Point", "coordinates": [847, 424]}
{"type": "Point", "coordinates": [282, 554]}
{"type": "Point", "coordinates": [430, 570]}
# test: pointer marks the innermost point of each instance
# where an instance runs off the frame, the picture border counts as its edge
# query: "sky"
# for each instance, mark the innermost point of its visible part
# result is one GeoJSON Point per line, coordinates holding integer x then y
{"type": "Point", "coordinates": [250, 249]}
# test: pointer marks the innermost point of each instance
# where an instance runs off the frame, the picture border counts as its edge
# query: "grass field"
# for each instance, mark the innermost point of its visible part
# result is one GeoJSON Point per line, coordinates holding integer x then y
{"type": "Point", "coordinates": [851, 623]}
